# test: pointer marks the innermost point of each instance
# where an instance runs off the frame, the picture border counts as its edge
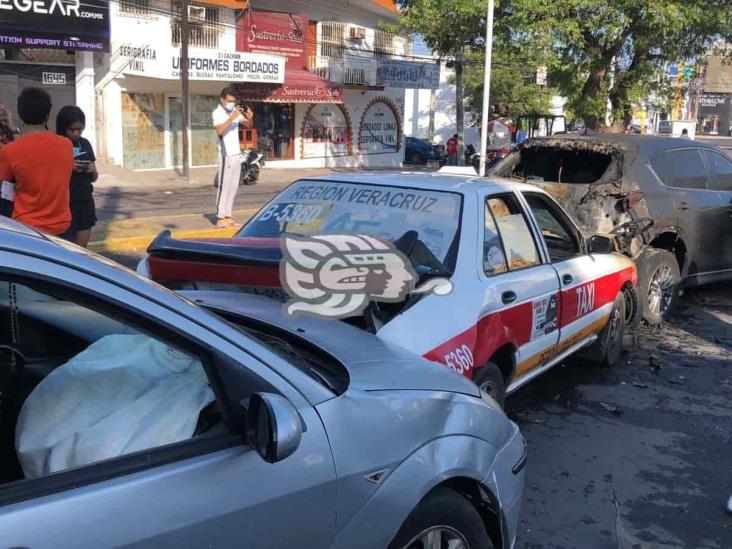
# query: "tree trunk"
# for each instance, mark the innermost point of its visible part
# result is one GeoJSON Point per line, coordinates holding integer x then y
{"type": "Point", "coordinates": [593, 90]}
{"type": "Point", "coordinates": [459, 107]}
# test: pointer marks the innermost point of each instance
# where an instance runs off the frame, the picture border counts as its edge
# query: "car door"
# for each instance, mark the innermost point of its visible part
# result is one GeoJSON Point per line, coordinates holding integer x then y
{"type": "Point", "coordinates": [520, 298]}
{"type": "Point", "coordinates": [720, 171]}
{"type": "Point", "coordinates": [587, 281]}
{"type": "Point", "coordinates": [699, 209]}
{"type": "Point", "coordinates": [207, 491]}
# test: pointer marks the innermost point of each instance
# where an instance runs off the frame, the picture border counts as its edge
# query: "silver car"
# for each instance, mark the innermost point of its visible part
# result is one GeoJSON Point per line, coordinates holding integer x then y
{"type": "Point", "coordinates": [136, 417]}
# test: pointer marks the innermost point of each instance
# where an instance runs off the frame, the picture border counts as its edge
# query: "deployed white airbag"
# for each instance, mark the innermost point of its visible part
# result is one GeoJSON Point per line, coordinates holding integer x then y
{"type": "Point", "coordinates": [123, 394]}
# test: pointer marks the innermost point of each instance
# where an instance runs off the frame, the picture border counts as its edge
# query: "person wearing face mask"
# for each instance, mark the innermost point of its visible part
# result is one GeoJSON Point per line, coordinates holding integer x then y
{"type": "Point", "coordinates": [227, 117]}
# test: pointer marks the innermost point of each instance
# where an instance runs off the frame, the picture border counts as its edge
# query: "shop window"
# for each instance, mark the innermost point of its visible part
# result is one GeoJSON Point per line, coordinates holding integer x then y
{"type": "Point", "coordinates": [203, 26]}
{"type": "Point", "coordinates": [326, 132]}
{"type": "Point", "coordinates": [274, 126]}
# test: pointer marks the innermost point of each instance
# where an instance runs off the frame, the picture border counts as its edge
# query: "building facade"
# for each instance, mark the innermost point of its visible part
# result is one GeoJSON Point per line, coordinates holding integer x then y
{"type": "Point", "coordinates": [336, 100]}
{"type": "Point", "coordinates": [714, 105]}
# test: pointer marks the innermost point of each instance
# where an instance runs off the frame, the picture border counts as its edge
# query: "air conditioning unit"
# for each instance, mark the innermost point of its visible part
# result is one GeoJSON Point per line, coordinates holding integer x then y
{"type": "Point", "coordinates": [356, 33]}
{"type": "Point", "coordinates": [196, 13]}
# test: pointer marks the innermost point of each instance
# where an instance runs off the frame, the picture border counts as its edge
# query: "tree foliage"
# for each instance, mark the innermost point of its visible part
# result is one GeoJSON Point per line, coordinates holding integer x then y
{"type": "Point", "coordinates": [597, 51]}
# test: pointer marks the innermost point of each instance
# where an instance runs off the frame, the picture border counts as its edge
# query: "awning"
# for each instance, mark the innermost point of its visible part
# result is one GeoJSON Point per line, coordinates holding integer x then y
{"type": "Point", "coordinates": [299, 87]}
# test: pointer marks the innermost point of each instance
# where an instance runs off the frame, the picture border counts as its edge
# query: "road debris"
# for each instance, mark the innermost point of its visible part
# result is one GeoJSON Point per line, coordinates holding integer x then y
{"type": "Point", "coordinates": [612, 409]}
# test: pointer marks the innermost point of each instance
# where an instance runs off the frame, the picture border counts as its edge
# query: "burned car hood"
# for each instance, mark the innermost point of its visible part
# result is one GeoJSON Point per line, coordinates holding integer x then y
{"type": "Point", "coordinates": [372, 364]}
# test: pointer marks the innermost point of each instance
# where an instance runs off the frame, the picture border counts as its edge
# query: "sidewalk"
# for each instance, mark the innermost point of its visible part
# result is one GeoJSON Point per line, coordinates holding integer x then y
{"type": "Point", "coordinates": [134, 207]}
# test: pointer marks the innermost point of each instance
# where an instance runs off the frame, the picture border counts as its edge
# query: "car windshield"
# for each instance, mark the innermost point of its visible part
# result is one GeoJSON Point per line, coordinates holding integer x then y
{"type": "Point", "coordinates": [317, 207]}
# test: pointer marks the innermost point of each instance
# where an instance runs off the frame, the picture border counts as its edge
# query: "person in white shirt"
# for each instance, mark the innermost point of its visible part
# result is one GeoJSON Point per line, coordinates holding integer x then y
{"type": "Point", "coordinates": [226, 120]}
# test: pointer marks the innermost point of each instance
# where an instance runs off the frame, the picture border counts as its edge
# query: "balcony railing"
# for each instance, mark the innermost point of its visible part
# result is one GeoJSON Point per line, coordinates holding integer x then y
{"type": "Point", "coordinates": [348, 70]}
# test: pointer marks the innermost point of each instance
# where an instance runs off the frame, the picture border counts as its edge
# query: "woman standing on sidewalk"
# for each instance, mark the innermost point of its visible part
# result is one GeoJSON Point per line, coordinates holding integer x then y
{"type": "Point", "coordinates": [70, 122]}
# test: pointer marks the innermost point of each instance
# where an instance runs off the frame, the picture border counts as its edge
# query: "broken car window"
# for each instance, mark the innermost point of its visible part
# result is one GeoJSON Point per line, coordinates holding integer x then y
{"type": "Point", "coordinates": [562, 165]}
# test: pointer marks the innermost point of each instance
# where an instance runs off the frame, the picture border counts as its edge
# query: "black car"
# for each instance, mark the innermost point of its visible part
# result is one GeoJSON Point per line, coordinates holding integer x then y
{"type": "Point", "coordinates": [668, 201]}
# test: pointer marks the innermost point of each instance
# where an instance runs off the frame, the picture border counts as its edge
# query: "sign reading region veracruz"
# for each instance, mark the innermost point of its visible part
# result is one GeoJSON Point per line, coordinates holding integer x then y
{"type": "Point", "coordinates": [203, 64]}
{"type": "Point", "coordinates": [60, 24]}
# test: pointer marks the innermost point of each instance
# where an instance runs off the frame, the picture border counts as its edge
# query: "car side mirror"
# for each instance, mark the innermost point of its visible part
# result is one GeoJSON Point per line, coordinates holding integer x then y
{"type": "Point", "coordinates": [601, 244]}
{"type": "Point", "coordinates": [273, 426]}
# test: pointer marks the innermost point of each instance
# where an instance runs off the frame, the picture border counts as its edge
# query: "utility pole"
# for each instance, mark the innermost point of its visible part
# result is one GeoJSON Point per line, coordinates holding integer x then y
{"type": "Point", "coordinates": [184, 34]}
{"type": "Point", "coordinates": [486, 87]}
{"type": "Point", "coordinates": [460, 106]}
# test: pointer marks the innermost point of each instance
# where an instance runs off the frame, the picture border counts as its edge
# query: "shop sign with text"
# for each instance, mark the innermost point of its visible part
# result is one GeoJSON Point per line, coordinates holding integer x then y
{"type": "Point", "coordinates": [380, 130]}
{"type": "Point", "coordinates": [283, 34]}
{"type": "Point", "coordinates": [203, 64]}
{"type": "Point", "coordinates": [394, 73]}
{"type": "Point", "coordinates": [66, 25]}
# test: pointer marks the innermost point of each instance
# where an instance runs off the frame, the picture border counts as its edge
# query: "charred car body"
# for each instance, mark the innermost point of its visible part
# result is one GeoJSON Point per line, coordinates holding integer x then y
{"type": "Point", "coordinates": [668, 202]}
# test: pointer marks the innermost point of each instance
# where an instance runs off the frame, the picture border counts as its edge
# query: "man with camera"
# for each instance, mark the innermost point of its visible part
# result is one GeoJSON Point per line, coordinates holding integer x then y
{"type": "Point", "coordinates": [227, 118]}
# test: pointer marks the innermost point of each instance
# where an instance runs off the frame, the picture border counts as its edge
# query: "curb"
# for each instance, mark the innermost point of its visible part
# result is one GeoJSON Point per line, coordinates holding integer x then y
{"type": "Point", "coordinates": [131, 243]}
{"type": "Point", "coordinates": [136, 234]}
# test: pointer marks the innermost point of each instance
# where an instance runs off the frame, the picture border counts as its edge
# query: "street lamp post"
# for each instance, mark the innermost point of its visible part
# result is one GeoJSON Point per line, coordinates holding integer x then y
{"type": "Point", "coordinates": [486, 86]}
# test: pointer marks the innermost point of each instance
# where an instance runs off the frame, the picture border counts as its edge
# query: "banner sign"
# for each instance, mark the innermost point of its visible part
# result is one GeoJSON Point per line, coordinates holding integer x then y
{"type": "Point", "coordinates": [283, 34]}
{"type": "Point", "coordinates": [393, 73]}
{"type": "Point", "coordinates": [203, 64]}
{"type": "Point", "coordinates": [380, 129]}
{"type": "Point", "coordinates": [66, 25]}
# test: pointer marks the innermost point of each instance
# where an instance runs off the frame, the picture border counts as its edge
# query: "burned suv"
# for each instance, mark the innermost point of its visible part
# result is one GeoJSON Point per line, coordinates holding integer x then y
{"type": "Point", "coordinates": [667, 201]}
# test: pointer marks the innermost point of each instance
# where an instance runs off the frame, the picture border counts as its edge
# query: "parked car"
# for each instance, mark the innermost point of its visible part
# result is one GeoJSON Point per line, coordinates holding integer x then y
{"type": "Point", "coordinates": [135, 417]}
{"type": "Point", "coordinates": [665, 127]}
{"type": "Point", "coordinates": [421, 151]}
{"type": "Point", "coordinates": [529, 289]}
{"type": "Point", "coordinates": [668, 202]}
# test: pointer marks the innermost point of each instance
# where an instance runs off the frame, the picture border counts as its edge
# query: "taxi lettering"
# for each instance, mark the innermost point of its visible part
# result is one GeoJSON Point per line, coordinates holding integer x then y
{"type": "Point", "coordinates": [460, 360]}
{"type": "Point", "coordinates": [585, 299]}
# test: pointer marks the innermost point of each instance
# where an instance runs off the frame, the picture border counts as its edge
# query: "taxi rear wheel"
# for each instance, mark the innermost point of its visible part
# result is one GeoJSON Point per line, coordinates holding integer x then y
{"type": "Point", "coordinates": [609, 345]}
{"type": "Point", "coordinates": [490, 380]}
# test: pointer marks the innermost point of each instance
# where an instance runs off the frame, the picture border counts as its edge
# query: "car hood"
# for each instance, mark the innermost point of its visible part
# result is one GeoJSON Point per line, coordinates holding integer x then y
{"type": "Point", "coordinates": [372, 364]}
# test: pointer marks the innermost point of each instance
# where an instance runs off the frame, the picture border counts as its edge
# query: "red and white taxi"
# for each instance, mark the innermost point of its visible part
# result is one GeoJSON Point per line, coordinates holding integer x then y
{"type": "Point", "coordinates": [528, 288]}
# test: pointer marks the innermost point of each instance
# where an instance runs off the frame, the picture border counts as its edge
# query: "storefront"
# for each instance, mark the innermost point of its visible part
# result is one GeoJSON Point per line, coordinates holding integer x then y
{"type": "Point", "coordinates": [43, 44]}
{"type": "Point", "coordinates": [715, 114]}
{"type": "Point", "coordinates": [308, 121]}
{"type": "Point", "coordinates": [141, 97]}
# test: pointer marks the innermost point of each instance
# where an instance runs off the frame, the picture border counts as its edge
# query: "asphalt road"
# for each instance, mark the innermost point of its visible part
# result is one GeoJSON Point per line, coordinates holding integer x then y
{"type": "Point", "coordinates": [640, 453]}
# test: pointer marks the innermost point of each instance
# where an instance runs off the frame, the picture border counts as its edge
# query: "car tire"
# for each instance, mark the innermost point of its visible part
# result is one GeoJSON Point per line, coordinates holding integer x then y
{"type": "Point", "coordinates": [489, 379]}
{"type": "Point", "coordinates": [444, 513]}
{"type": "Point", "coordinates": [607, 349]}
{"type": "Point", "coordinates": [416, 158]}
{"type": "Point", "coordinates": [658, 285]}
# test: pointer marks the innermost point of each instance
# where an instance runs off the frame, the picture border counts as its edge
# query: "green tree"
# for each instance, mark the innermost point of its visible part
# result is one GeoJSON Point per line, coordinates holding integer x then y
{"type": "Point", "coordinates": [613, 51]}
{"type": "Point", "coordinates": [450, 28]}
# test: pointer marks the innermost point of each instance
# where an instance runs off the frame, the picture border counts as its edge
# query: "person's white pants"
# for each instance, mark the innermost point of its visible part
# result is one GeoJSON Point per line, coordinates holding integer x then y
{"type": "Point", "coordinates": [228, 180]}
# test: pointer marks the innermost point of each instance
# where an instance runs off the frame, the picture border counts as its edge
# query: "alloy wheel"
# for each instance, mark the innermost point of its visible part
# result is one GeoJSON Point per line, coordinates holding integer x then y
{"type": "Point", "coordinates": [438, 537]}
{"type": "Point", "coordinates": [660, 290]}
{"type": "Point", "coordinates": [489, 388]}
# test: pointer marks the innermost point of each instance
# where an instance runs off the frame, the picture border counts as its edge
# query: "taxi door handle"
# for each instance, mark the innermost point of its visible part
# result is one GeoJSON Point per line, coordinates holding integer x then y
{"type": "Point", "coordinates": [567, 279]}
{"type": "Point", "coordinates": [508, 297]}
{"type": "Point", "coordinates": [683, 205]}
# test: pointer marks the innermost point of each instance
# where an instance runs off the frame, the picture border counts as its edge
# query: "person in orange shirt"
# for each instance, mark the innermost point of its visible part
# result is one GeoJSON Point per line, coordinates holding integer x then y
{"type": "Point", "coordinates": [40, 163]}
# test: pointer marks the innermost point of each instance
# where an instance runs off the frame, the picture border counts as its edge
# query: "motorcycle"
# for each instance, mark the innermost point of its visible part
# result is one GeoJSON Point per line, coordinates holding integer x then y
{"type": "Point", "coordinates": [252, 162]}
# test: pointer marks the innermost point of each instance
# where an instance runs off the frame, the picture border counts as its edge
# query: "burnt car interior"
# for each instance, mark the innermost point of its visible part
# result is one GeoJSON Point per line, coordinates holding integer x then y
{"type": "Point", "coordinates": [41, 334]}
{"type": "Point", "coordinates": [559, 165]}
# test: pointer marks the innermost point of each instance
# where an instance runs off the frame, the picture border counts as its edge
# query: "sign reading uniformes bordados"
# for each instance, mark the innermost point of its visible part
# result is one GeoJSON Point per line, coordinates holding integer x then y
{"type": "Point", "coordinates": [59, 24]}
{"type": "Point", "coordinates": [203, 64]}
